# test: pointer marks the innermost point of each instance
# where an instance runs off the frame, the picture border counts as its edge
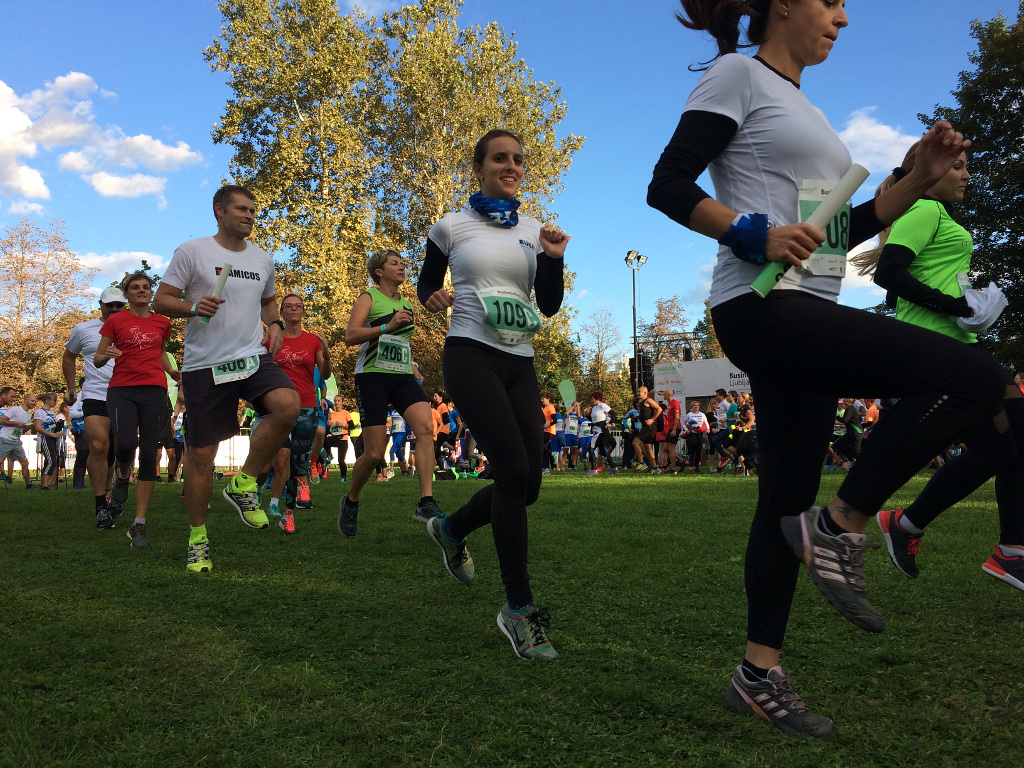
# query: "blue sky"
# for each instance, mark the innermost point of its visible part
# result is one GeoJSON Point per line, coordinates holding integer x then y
{"type": "Point", "coordinates": [106, 110]}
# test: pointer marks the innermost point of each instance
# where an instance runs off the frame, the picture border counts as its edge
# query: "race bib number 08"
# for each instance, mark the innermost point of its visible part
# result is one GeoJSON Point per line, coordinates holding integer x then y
{"type": "Point", "coordinates": [830, 258]}
{"type": "Point", "coordinates": [510, 319]}
{"type": "Point", "coordinates": [236, 370]}
{"type": "Point", "coordinates": [393, 354]}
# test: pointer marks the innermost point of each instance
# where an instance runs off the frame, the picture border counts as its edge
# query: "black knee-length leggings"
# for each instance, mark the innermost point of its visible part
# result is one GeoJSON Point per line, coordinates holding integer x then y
{"type": "Point", "coordinates": [496, 394]}
{"type": "Point", "coordinates": [138, 416]}
{"type": "Point", "coordinates": [788, 343]}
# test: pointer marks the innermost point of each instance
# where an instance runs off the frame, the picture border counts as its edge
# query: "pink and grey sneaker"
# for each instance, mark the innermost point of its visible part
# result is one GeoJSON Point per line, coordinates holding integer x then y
{"type": "Point", "coordinates": [1008, 569]}
{"type": "Point", "coordinates": [836, 565]}
{"type": "Point", "coordinates": [775, 701]}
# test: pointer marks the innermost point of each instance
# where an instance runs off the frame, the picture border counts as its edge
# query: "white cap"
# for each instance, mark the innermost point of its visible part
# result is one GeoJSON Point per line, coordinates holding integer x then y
{"type": "Point", "coordinates": [112, 294]}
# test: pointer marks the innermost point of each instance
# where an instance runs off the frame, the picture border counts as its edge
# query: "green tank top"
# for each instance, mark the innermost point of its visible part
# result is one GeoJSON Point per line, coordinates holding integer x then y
{"type": "Point", "coordinates": [943, 251]}
{"type": "Point", "coordinates": [382, 309]}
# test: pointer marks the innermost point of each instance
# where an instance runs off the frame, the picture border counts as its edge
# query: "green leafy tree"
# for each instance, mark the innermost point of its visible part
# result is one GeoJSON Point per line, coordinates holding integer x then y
{"type": "Point", "coordinates": [357, 134]}
{"type": "Point", "coordinates": [705, 340]}
{"type": "Point", "coordinates": [989, 111]}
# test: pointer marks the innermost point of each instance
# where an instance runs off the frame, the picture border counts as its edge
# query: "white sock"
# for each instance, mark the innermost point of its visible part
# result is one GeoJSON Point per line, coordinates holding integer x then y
{"type": "Point", "coordinates": [275, 501]}
{"type": "Point", "coordinates": [909, 527]}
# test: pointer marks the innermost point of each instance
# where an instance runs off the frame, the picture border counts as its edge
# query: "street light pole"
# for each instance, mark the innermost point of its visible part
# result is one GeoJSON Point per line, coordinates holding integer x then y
{"type": "Point", "coordinates": [635, 260]}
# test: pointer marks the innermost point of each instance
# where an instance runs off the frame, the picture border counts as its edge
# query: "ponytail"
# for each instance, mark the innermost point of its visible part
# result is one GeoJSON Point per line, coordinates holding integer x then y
{"type": "Point", "coordinates": [867, 261]}
{"type": "Point", "coordinates": [721, 18]}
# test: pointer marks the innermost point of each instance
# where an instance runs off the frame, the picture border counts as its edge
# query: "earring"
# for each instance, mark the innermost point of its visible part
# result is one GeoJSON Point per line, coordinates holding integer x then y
{"type": "Point", "coordinates": [785, 15]}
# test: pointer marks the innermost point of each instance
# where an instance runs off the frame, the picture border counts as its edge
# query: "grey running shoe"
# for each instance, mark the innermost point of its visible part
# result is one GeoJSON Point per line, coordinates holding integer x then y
{"type": "Point", "coordinates": [426, 510]}
{"type": "Point", "coordinates": [103, 520]}
{"type": "Point", "coordinates": [119, 492]}
{"type": "Point", "coordinates": [775, 701]}
{"type": "Point", "coordinates": [524, 628]}
{"type": "Point", "coordinates": [347, 513]}
{"type": "Point", "coordinates": [836, 565]}
{"type": "Point", "coordinates": [115, 508]}
{"type": "Point", "coordinates": [901, 545]}
{"type": "Point", "coordinates": [246, 504]}
{"type": "Point", "coordinates": [137, 533]}
{"type": "Point", "coordinates": [456, 556]}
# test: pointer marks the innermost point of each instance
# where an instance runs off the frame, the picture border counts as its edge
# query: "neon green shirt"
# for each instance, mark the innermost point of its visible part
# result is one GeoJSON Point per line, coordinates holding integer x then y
{"type": "Point", "coordinates": [943, 251]}
{"type": "Point", "coordinates": [382, 309]}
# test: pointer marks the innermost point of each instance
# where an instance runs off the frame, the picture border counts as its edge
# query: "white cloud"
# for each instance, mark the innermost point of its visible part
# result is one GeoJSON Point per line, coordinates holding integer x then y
{"type": "Point", "coordinates": [151, 153]}
{"type": "Point", "coordinates": [875, 145]}
{"type": "Point", "coordinates": [16, 142]}
{"type": "Point", "coordinates": [25, 208]}
{"type": "Point", "coordinates": [112, 266]}
{"type": "Point", "coordinates": [372, 7]}
{"type": "Point", "coordinates": [75, 161]}
{"type": "Point", "coordinates": [108, 185]}
{"type": "Point", "coordinates": [60, 114]}
{"type": "Point", "coordinates": [853, 281]}
{"type": "Point", "coordinates": [582, 293]}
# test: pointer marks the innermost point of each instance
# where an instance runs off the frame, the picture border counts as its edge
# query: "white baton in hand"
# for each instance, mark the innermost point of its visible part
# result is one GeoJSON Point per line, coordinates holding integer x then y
{"type": "Point", "coordinates": [218, 287]}
{"type": "Point", "coordinates": [820, 217]}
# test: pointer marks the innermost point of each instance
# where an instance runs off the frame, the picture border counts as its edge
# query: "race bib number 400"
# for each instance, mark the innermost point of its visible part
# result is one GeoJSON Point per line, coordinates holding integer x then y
{"type": "Point", "coordinates": [830, 258]}
{"type": "Point", "coordinates": [510, 319]}
{"type": "Point", "coordinates": [393, 354]}
{"type": "Point", "coordinates": [236, 370]}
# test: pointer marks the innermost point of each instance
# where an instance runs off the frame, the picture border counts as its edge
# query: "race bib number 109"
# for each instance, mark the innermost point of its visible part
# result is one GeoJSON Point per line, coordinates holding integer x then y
{"type": "Point", "coordinates": [508, 317]}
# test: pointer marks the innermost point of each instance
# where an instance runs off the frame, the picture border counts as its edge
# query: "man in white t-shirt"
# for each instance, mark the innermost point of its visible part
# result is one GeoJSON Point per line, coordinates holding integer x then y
{"type": "Point", "coordinates": [84, 339]}
{"type": "Point", "coordinates": [226, 361]}
{"type": "Point", "coordinates": [15, 420]}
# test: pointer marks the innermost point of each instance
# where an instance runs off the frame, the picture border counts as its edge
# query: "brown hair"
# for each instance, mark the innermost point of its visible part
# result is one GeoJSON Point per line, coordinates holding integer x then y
{"type": "Point", "coordinates": [721, 19]}
{"type": "Point", "coordinates": [129, 279]}
{"type": "Point", "coordinates": [223, 196]}
{"type": "Point", "coordinates": [480, 150]}
{"type": "Point", "coordinates": [867, 261]}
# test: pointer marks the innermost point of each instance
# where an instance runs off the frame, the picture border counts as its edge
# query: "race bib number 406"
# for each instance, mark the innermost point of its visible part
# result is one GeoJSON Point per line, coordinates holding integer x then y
{"type": "Point", "coordinates": [509, 318]}
{"type": "Point", "coordinates": [393, 354]}
{"type": "Point", "coordinates": [830, 258]}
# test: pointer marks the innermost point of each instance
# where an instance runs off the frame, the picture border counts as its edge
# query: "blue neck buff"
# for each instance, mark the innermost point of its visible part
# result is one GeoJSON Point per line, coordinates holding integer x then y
{"type": "Point", "coordinates": [501, 212]}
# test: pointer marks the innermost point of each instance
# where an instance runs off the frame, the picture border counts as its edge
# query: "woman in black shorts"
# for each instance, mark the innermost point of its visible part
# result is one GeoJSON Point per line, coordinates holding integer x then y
{"type": "Point", "coordinates": [382, 325]}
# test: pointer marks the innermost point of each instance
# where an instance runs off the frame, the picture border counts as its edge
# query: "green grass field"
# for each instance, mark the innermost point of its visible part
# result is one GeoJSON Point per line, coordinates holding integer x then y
{"type": "Point", "coordinates": [317, 650]}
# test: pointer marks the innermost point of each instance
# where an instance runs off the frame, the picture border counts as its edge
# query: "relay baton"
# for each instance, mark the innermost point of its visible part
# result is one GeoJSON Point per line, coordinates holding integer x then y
{"type": "Point", "coordinates": [218, 287]}
{"type": "Point", "coordinates": [820, 217]}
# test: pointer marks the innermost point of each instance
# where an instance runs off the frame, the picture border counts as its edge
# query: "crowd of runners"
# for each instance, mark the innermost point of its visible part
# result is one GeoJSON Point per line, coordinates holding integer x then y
{"type": "Point", "coordinates": [490, 269]}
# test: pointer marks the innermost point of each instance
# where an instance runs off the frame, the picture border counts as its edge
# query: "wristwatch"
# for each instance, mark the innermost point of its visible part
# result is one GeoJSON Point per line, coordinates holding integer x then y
{"type": "Point", "coordinates": [276, 322]}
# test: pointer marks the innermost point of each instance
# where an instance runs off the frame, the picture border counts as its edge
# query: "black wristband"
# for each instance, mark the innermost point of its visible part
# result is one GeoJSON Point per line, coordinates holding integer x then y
{"type": "Point", "coordinates": [276, 322]}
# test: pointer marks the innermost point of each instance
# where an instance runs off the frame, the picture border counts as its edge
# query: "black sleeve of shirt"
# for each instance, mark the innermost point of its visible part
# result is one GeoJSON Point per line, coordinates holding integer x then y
{"type": "Point", "coordinates": [892, 274]}
{"type": "Point", "coordinates": [435, 264]}
{"type": "Point", "coordinates": [700, 137]}
{"type": "Point", "coordinates": [864, 223]}
{"type": "Point", "coordinates": [549, 284]}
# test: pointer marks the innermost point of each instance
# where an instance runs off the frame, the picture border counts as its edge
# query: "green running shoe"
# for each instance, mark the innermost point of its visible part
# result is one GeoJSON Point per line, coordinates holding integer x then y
{"type": "Point", "coordinates": [246, 504]}
{"type": "Point", "coordinates": [456, 556]}
{"type": "Point", "coordinates": [274, 511]}
{"type": "Point", "coordinates": [775, 701]}
{"type": "Point", "coordinates": [836, 565]}
{"type": "Point", "coordinates": [199, 558]}
{"type": "Point", "coordinates": [524, 628]}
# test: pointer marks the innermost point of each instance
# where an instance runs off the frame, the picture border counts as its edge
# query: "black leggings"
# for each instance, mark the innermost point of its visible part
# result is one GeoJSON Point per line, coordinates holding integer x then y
{"type": "Point", "coordinates": [499, 400]}
{"type": "Point", "coordinates": [331, 443]}
{"type": "Point", "coordinates": [48, 447]}
{"type": "Point", "coordinates": [787, 345]}
{"type": "Point", "coordinates": [694, 446]}
{"type": "Point", "coordinates": [138, 416]}
{"type": "Point", "coordinates": [989, 452]}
